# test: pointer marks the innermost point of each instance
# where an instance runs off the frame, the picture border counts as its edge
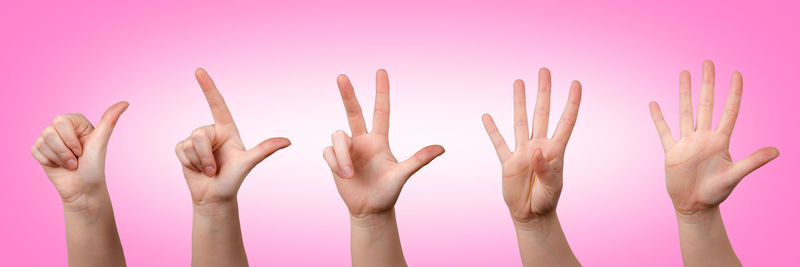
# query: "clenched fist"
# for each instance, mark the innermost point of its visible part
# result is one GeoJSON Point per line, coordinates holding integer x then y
{"type": "Point", "coordinates": [73, 154]}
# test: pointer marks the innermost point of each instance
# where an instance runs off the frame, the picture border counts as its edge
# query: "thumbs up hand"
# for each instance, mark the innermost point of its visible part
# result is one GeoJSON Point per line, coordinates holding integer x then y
{"type": "Point", "coordinates": [73, 153]}
{"type": "Point", "coordinates": [215, 162]}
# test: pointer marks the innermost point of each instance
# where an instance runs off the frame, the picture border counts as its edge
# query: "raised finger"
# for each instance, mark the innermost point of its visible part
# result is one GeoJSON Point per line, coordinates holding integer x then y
{"type": "Point", "coordinates": [541, 113]}
{"type": "Point", "coordinates": [520, 115]}
{"type": "Point", "coordinates": [731, 112]}
{"type": "Point", "coordinates": [705, 106]}
{"type": "Point", "coordinates": [222, 116]}
{"type": "Point", "coordinates": [351, 106]}
{"type": "Point", "coordinates": [500, 146]}
{"type": "Point", "coordinates": [570, 116]}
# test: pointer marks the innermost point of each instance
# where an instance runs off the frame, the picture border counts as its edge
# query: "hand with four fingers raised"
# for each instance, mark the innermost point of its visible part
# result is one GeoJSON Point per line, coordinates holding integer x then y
{"type": "Point", "coordinates": [369, 177]}
{"type": "Point", "coordinates": [532, 174]}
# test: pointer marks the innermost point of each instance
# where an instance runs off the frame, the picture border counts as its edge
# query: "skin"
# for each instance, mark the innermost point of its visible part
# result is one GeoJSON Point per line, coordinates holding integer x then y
{"type": "Point", "coordinates": [369, 178]}
{"type": "Point", "coordinates": [700, 172]}
{"type": "Point", "coordinates": [532, 174]}
{"type": "Point", "coordinates": [72, 153]}
{"type": "Point", "coordinates": [215, 163]}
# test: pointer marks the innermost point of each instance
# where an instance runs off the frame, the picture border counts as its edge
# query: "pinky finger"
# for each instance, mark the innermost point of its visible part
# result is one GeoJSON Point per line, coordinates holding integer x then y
{"type": "Point", "coordinates": [663, 130]}
{"type": "Point", "coordinates": [330, 158]}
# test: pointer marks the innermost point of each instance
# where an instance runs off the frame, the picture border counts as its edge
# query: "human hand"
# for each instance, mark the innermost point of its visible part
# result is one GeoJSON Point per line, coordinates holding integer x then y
{"type": "Point", "coordinates": [700, 172]}
{"type": "Point", "coordinates": [532, 174]}
{"type": "Point", "coordinates": [368, 176]}
{"type": "Point", "coordinates": [72, 153]}
{"type": "Point", "coordinates": [215, 162]}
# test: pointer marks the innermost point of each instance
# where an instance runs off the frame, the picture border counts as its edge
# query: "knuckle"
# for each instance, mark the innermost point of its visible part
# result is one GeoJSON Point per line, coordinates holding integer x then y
{"type": "Point", "coordinates": [199, 132]}
{"type": "Point", "coordinates": [62, 118]}
{"type": "Point", "coordinates": [187, 146]}
{"type": "Point", "coordinates": [38, 144]}
{"type": "Point", "coordinates": [49, 130]}
{"type": "Point", "coordinates": [542, 112]}
{"type": "Point", "coordinates": [569, 122]}
{"type": "Point", "coordinates": [65, 155]}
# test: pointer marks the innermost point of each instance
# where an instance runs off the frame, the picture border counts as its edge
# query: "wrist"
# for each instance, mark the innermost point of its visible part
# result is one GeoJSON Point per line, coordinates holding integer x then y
{"type": "Point", "coordinates": [538, 223]}
{"type": "Point", "coordinates": [373, 220]}
{"type": "Point", "coordinates": [216, 209]}
{"type": "Point", "coordinates": [697, 216]}
{"type": "Point", "coordinates": [87, 202]}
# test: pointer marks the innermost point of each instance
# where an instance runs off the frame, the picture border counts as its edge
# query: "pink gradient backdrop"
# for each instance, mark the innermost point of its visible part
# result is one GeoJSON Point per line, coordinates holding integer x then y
{"type": "Point", "coordinates": [448, 63]}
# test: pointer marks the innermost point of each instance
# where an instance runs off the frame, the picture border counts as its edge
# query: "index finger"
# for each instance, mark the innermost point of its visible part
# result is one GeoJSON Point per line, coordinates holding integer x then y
{"type": "Point", "coordinates": [354, 116]}
{"type": "Point", "coordinates": [218, 108]}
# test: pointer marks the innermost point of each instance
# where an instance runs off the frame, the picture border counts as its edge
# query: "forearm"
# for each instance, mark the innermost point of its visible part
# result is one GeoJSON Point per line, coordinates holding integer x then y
{"type": "Point", "coordinates": [217, 235]}
{"type": "Point", "coordinates": [375, 241]}
{"type": "Point", "coordinates": [542, 242]}
{"type": "Point", "coordinates": [704, 241]}
{"type": "Point", "coordinates": [92, 238]}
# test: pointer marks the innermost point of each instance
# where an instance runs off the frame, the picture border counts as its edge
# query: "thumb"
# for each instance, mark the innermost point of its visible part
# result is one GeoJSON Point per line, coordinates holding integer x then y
{"type": "Point", "coordinates": [108, 121]}
{"type": "Point", "coordinates": [749, 164]}
{"type": "Point", "coordinates": [420, 159]}
{"type": "Point", "coordinates": [542, 168]}
{"type": "Point", "coordinates": [257, 154]}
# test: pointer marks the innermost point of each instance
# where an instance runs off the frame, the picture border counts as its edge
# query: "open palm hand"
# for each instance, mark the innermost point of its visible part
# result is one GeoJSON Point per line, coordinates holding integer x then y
{"type": "Point", "coordinates": [700, 172]}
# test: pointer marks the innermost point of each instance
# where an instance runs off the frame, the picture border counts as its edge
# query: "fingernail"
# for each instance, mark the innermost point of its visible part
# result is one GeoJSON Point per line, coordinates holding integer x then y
{"type": "Point", "coordinates": [78, 152]}
{"type": "Point", "coordinates": [210, 171]}
{"type": "Point", "coordinates": [71, 164]}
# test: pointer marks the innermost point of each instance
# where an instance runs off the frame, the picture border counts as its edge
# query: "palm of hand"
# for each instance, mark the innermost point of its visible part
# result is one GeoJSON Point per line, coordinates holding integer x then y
{"type": "Point", "coordinates": [527, 194]}
{"type": "Point", "coordinates": [376, 184]}
{"type": "Point", "coordinates": [698, 171]}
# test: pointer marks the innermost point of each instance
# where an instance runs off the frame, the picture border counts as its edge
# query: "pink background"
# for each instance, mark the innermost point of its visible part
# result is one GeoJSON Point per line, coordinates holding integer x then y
{"type": "Point", "coordinates": [449, 62]}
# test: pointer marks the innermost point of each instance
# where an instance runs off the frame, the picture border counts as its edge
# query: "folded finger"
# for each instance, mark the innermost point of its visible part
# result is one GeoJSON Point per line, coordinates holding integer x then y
{"type": "Point", "coordinates": [53, 140]}
{"type": "Point", "coordinates": [341, 147]}
{"type": "Point", "coordinates": [330, 158]}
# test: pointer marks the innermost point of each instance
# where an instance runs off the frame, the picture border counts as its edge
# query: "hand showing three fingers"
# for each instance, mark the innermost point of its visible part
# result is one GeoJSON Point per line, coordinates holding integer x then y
{"type": "Point", "coordinates": [368, 176]}
{"type": "Point", "coordinates": [215, 162]}
{"type": "Point", "coordinates": [700, 172]}
{"type": "Point", "coordinates": [73, 153]}
{"type": "Point", "coordinates": [532, 174]}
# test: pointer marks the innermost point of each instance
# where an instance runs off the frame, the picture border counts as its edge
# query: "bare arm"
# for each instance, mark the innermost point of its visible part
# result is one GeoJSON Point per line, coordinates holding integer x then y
{"type": "Point", "coordinates": [369, 178]}
{"type": "Point", "coordinates": [532, 174]}
{"type": "Point", "coordinates": [700, 172]}
{"type": "Point", "coordinates": [72, 153]}
{"type": "Point", "coordinates": [215, 163]}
